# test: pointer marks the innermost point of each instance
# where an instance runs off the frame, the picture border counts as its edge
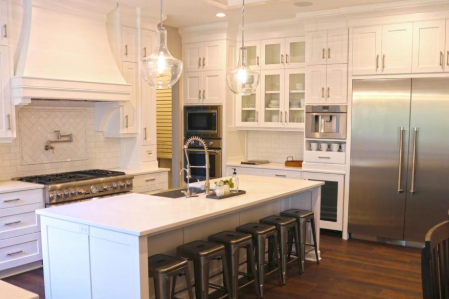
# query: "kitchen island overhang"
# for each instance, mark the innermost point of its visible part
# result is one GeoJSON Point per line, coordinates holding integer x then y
{"type": "Point", "coordinates": [99, 249]}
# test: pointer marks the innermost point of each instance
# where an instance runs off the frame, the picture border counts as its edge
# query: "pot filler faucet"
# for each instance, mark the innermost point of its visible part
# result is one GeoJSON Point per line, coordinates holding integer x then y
{"type": "Point", "coordinates": [206, 167]}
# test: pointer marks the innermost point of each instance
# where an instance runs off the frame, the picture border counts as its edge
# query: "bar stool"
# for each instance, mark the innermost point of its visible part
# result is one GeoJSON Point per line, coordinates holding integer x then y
{"type": "Point", "coordinates": [233, 242]}
{"type": "Point", "coordinates": [162, 268]}
{"type": "Point", "coordinates": [260, 233]}
{"type": "Point", "coordinates": [201, 253]}
{"type": "Point", "coordinates": [302, 218]}
{"type": "Point", "coordinates": [284, 225]}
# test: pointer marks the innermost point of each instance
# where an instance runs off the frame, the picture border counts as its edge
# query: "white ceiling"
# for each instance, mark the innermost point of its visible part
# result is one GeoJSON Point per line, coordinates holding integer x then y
{"type": "Point", "coordinates": [182, 13]}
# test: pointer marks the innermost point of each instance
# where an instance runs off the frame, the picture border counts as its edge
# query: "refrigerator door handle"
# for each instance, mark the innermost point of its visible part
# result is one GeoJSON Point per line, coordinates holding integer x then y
{"type": "Point", "coordinates": [415, 136]}
{"type": "Point", "coordinates": [401, 154]}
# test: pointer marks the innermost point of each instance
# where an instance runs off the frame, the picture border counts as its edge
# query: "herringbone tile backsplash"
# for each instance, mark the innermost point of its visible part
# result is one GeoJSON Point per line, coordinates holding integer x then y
{"type": "Point", "coordinates": [36, 124]}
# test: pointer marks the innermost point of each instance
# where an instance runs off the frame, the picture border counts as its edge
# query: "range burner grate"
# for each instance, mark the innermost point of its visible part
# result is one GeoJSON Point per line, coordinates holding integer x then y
{"type": "Point", "coordinates": [66, 177]}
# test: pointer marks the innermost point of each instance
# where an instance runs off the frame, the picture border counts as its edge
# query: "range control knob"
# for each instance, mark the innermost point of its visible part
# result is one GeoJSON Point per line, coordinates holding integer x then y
{"type": "Point", "coordinates": [122, 185]}
{"type": "Point", "coordinates": [80, 191]}
{"type": "Point", "coordinates": [59, 195]}
{"type": "Point", "coordinates": [66, 193]}
{"type": "Point", "coordinates": [51, 196]}
{"type": "Point", "coordinates": [129, 184]}
{"type": "Point", "coordinates": [114, 186]}
{"type": "Point", "coordinates": [73, 192]}
{"type": "Point", "coordinates": [93, 189]}
{"type": "Point", "coordinates": [106, 187]}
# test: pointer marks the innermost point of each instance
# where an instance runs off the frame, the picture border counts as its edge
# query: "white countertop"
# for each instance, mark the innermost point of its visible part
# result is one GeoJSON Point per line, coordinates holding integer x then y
{"type": "Point", "coordinates": [142, 170]}
{"type": "Point", "coordinates": [14, 186]}
{"type": "Point", "coordinates": [281, 166]}
{"type": "Point", "coordinates": [139, 214]}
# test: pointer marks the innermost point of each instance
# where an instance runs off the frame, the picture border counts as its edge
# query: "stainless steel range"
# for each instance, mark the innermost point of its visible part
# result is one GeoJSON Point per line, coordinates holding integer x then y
{"type": "Point", "coordinates": [69, 187]}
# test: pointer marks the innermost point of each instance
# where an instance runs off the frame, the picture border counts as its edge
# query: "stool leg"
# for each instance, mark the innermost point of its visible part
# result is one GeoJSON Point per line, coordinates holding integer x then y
{"type": "Point", "coordinates": [188, 282]}
{"type": "Point", "coordinates": [162, 286]}
{"type": "Point", "coordinates": [297, 248]}
{"type": "Point", "coordinates": [271, 251]}
{"type": "Point", "coordinates": [173, 286]}
{"type": "Point", "coordinates": [250, 260]}
{"type": "Point", "coordinates": [312, 224]}
{"type": "Point", "coordinates": [201, 272]}
{"type": "Point", "coordinates": [260, 253]}
{"type": "Point", "coordinates": [276, 256]}
{"type": "Point", "coordinates": [233, 256]}
{"type": "Point", "coordinates": [283, 239]}
{"type": "Point", "coordinates": [290, 243]}
{"type": "Point", "coordinates": [303, 237]}
{"type": "Point", "coordinates": [226, 276]}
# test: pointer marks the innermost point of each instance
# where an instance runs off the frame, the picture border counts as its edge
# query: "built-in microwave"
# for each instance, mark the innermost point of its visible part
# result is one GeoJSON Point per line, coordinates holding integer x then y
{"type": "Point", "coordinates": [202, 121]}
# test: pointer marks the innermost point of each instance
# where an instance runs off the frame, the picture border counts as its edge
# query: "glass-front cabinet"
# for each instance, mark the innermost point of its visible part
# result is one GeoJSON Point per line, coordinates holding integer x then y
{"type": "Point", "coordinates": [295, 52]}
{"type": "Point", "coordinates": [248, 110]}
{"type": "Point", "coordinates": [295, 93]}
{"type": "Point", "coordinates": [272, 98]}
{"type": "Point", "coordinates": [252, 53]}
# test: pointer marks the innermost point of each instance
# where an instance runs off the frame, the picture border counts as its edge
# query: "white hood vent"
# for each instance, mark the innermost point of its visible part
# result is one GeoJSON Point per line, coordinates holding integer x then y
{"type": "Point", "coordinates": [65, 55]}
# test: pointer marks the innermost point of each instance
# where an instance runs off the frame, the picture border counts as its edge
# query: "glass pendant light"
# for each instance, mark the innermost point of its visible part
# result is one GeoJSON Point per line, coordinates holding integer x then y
{"type": "Point", "coordinates": [242, 80]}
{"type": "Point", "coordinates": [161, 70]}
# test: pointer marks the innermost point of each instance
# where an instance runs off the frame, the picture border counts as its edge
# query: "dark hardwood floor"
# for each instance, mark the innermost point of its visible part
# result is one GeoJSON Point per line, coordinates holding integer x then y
{"type": "Point", "coordinates": [348, 270]}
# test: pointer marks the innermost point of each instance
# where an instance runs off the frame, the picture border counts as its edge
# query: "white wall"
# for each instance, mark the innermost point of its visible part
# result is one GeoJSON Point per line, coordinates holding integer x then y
{"type": "Point", "coordinates": [90, 149]}
{"type": "Point", "coordinates": [275, 146]}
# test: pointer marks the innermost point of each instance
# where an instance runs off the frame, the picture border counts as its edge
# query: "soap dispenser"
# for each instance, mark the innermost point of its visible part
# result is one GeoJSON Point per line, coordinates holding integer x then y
{"type": "Point", "coordinates": [235, 180]}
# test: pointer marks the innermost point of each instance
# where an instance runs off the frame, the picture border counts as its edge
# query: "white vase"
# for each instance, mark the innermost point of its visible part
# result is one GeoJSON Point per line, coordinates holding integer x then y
{"type": "Point", "coordinates": [227, 189]}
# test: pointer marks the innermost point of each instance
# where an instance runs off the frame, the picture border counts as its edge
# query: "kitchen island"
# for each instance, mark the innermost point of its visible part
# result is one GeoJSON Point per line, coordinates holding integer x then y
{"type": "Point", "coordinates": [99, 249]}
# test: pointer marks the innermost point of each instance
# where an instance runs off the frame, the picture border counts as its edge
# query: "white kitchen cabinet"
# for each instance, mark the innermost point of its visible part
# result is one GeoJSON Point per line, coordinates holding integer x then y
{"type": "Point", "coordinates": [283, 53]}
{"type": "Point", "coordinates": [7, 112]}
{"type": "Point", "coordinates": [428, 46]}
{"type": "Point", "coordinates": [20, 250]}
{"type": "Point", "coordinates": [272, 98]}
{"type": "Point", "coordinates": [204, 87]}
{"type": "Point", "coordinates": [397, 48]}
{"type": "Point", "coordinates": [332, 194]}
{"type": "Point", "coordinates": [18, 221]}
{"type": "Point", "coordinates": [366, 50]}
{"type": "Point", "coordinates": [282, 174]}
{"type": "Point", "coordinates": [5, 32]}
{"type": "Point", "coordinates": [148, 114]}
{"type": "Point", "coordinates": [295, 52]}
{"type": "Point", "coordinates": [129, 43]}
{"type": "Point", "coordinates": [204, 56]}
{"type": "Point", "coordinates": [129, 119]}
{"type": "Point", "coordinates": [150, 182]}
{"type": "Point", "coordinates": [327, 47]}
{"type": "Point", "coordinates": [294, 103]}
{"type": "Point", "coordinates": [327, 84]}
{"type": "Point", "coordinates": [248, 109]}
{"type": "Point", "coordinates": [193, 85]}
{"type": "Point", "coordinates": [148, 42]}
{"type": "Point", "coordinates": [252, 53]}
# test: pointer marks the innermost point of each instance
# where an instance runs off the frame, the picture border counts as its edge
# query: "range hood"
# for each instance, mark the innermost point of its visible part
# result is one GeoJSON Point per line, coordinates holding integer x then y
{"type": "Point", "coordinates": [65, 54]}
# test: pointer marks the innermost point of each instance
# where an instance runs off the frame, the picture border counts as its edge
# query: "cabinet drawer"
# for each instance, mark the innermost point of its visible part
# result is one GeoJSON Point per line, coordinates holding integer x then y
{"type": "Point", "coordinates": [150, 179]}
{"type": "Point", "coordinates": [149, 153]}
{"type": "Point", "coordinates": [282, 174]}
{"type": "Point", "coordinates": [20, 250]}
{"type": "Point", "coordinates": [325, 157]}
{"type": "Point", "coordinates": [19, 221]}
{"type": "Point", "coordinates": [244, 170]}
{"type": "Point", "coordinates": [13, 199]}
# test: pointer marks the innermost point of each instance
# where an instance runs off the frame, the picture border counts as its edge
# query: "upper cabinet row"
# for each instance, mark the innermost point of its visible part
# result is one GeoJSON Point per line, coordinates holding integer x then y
{"type": "Point", "coordinates": [420, 47]}
{"type": "Point", "coordinates": [327, 47]}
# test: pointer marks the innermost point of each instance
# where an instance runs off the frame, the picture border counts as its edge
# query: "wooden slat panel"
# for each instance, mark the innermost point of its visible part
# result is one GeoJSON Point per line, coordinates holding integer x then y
{"type": "Point", "coordinates": [164, 123]}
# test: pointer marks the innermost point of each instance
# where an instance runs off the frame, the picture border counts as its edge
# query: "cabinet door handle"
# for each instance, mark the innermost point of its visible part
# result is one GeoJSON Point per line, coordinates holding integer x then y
{"type": "Point", "coordinates": [401, 151]}
{"type": "Point", "coordinates": [280, 112]}
{"type": "Point", "coordinates": [199, 94]}
{"type": "Point", "coordinates": [377, 62]}
{"type": "Point", "coordinates": [126, 50]}
{"type": "Point", "coordinates": [322, 92]}
{"type": "Point", "coordinates": [383, 62]}
{"type": "Point", "coordinates": [144, 52]}
{"type": "Point", "coordinates": [150, 180]}
{"type": "Point", "coordinates": [286, 117]}
{"type": "Point", "coordinates": [329, 53]}
{"type": "Point", "coordinates": [415, 141]}
{"type": "Point", "coordinates": [12, 223]}
{"type": "Point", "coordinates": [258, 60]}
{"type": "Point", "coordinates": [280, 175]}
{"type": "Point", "coordinates": [14, 253]}
{"type": "Point", "coordinates": [204, 62]}
{"type": "Point", "coordinates": [9, 121]}
{"type": "Point", "coordinates": [257, 116]}
{"type": "Point", "coordinates": [126, 121]}
{"type": "Point", "coordinates": [11, 200]}
{"type": "Point", "coordinates": [199, 62]}
{"type": "Point", "coordinates": [328, 92]}
{"type": "Point", "coordinates": [145, 133]}
{"type": "Point", "coordinates": [204, 94]}
{"type": "Point", "coordinates": [282, 58]}
{"type": "Point", "coordinates": [286, 58]}
{"type": "Point", "coordinates": [447, 58]}
{"type": "Point", "coordinates": [324, 54]}
{"type": "Point", "coordinates": [322, 157]}
{"type": "Point", "coordinates": [5, 28]}
{"type": "Point", "coordinates": [441, 58]}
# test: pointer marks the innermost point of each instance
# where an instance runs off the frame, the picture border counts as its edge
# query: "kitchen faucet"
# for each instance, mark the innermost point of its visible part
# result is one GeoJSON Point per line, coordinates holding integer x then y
{"type": "Point", "coordinates": [188, 169]}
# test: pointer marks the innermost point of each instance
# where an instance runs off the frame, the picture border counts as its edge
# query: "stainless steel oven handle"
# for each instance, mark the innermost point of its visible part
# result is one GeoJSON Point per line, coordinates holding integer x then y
{"type": "Point", "coordinates": [401, 152]}
{"type": "Point", "coordinates": [415, 137]}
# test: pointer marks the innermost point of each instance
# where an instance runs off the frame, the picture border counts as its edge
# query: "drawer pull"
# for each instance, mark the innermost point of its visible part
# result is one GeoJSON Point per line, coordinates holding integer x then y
{"type": "Point", "coordinates": [324, 157]}
{"type": "Point", "coordinates": [15, 222]}
{"type": "Point", "coordinates": [150, 180]}
{"type": "Point", "coordinates": [14, 253]}
{"type": "Point", "coordinates": [281, 175]}
{"type": "Point", "coordinates": [11, 200]}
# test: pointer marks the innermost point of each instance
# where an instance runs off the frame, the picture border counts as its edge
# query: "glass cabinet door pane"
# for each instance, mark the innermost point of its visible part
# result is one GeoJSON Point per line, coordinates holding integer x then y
{"type": "Point", "coordinates": [297, 52]}
{"type": "Point", "coordinates": [249, 107]}
{"type": "Point", "coordinates": [296, 100]}
{"type": "Point", "coordinates": [272, 54]}
{"type": "Point", "coordinates": [272, 98]}
{"type": "Point", "coordinates": [251, 54]}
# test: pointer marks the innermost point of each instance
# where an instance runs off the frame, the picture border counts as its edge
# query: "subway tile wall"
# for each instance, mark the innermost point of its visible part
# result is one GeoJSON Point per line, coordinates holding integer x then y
{"type": "Point", "coordinates": [275, 146]}
{"type": "Point", "coordinates": [101, 152]}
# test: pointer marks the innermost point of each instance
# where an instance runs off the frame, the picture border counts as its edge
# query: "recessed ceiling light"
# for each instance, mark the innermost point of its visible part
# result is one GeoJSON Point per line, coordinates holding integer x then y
{"type": "Point", "coordinates": [221, 15]}
{"type": "Point", "coordinates": [303, 4]}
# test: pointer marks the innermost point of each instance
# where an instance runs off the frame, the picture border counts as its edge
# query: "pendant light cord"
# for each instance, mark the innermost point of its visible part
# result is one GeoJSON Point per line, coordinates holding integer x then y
{"type": "Point", "coordinates": [243, 24]}
{"type": "Point", "coordinates": [160, 24]}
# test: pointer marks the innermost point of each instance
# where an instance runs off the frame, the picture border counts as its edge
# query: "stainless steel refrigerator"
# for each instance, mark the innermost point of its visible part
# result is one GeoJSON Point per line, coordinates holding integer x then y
{"type": "Point", "coordinates": [399, 184]}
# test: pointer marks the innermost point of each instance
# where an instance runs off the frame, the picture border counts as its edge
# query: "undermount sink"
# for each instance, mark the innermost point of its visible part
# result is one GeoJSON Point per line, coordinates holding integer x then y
{"type": "Point", "coordinates": [177, 193]}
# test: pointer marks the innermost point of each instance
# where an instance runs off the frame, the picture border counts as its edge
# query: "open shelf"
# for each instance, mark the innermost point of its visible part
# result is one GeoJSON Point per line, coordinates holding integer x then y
{"type": "Point", "coordinates": [249, 109]}
{"type": "Point", "coordinates": [272, 109]}
{"type": "Point", "coordinates": [272, 91]}
{"type": "Point", "coordinates": [297, 109]}
{"type": "Point", "coordinates": [297, 91]}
